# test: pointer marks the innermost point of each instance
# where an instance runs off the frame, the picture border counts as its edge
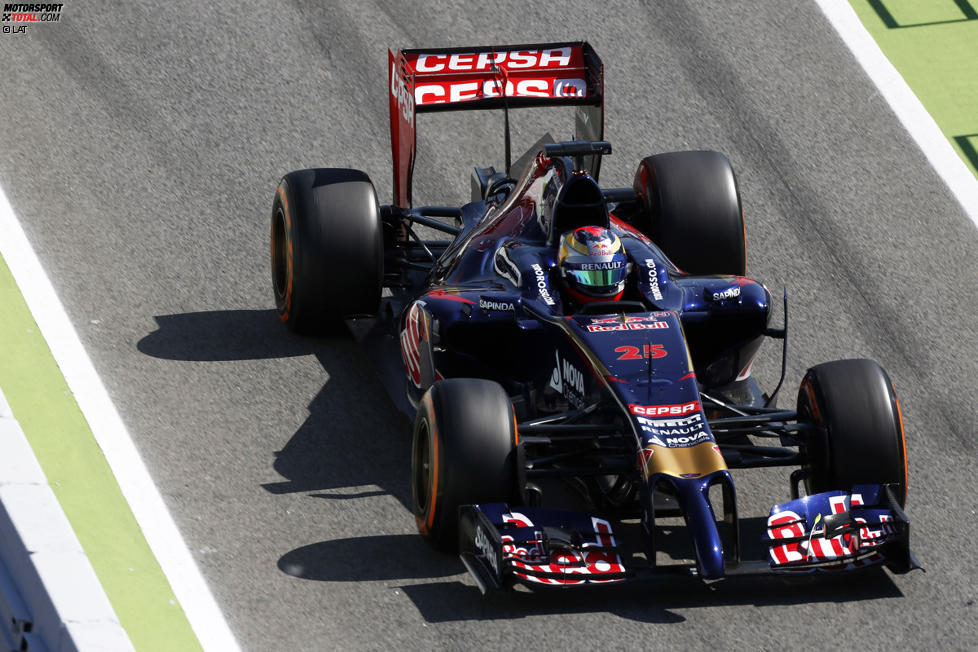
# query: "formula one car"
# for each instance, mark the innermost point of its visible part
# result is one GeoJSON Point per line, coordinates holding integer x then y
{"type": "Point", "coordinates": [578, 358]}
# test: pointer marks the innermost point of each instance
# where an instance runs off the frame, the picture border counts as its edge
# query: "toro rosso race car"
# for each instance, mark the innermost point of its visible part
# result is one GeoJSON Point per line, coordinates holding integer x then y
{"type": "Point", "coordinates": [577, 359]}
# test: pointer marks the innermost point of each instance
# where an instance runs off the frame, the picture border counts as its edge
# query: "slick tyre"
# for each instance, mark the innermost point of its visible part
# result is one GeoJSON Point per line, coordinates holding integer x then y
{"type": "Point", "coordinates": [464, 452]}
{"type": "Point", "coordinates": [690, 208]}
{"type": "Point", "coordinates": [327, 251]}
{"type": "Point", "coordinates": [862, 441]}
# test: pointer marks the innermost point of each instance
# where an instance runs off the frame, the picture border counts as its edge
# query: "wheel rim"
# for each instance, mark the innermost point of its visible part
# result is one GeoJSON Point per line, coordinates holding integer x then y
{"type": "Point", "coordinates": [279, 253]}
{"type": "Point", "coordinates": [422, 469]}
{"type": "Point", "coordinates": [808, 411]}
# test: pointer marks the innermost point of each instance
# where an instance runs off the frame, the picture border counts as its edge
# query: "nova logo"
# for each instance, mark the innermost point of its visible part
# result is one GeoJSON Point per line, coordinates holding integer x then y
{"type": "Point", "coordinates": [566, 376]}
{"type": "Point", "coordinates": [573, 377]}
{"type": "Point", "coordinates": [687, 441]}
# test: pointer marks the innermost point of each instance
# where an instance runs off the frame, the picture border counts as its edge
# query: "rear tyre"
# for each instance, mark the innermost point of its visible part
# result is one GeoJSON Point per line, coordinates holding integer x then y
{"type": "Point", "coordinates": [464, 452]}
{"type": "Point", "coordinates": [863, 440]}
{"type": "Point", "coordinates": [327, 251]}
{"type": "Point", "coordinates": [691, 210]}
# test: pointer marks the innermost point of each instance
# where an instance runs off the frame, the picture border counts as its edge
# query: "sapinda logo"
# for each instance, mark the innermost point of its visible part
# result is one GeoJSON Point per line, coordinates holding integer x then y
{"type": "Point", "coordinates": [729, 293]}
{"type": "Point", "coordinates": [664, 410]}
{"type": "Point", "coordinates": [489, 304]}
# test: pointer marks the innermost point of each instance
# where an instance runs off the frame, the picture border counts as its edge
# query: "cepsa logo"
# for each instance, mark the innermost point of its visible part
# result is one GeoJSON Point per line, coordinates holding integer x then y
{"type": "Point", "coordinates": [665, 410]}
{"type": "Point", "coordinates": [401, 95]}
{"type": "Point", "coordinates": [465, 76]}
{"type": "Point", "coordinates": [485, 61]}
{"type": "Point", "coordinates": [449, 92]}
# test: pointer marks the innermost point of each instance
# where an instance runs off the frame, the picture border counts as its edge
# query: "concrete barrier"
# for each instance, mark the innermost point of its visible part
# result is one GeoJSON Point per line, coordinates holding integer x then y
{"type": "Point", "coordinates": [50, 597]}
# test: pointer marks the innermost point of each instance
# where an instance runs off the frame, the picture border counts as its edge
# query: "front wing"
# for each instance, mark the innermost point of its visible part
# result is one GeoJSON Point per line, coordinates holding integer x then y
{"type": "Point", "coordinates": [502, 546]}
{"type": "Point", "coordinates": [831, 531]}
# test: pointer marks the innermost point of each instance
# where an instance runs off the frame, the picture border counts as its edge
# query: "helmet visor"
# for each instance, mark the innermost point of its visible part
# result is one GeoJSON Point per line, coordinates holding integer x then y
{"type": "Point", "coordinates": [596, 278]}
{"type": "Point", "coordinates": [595, 275]}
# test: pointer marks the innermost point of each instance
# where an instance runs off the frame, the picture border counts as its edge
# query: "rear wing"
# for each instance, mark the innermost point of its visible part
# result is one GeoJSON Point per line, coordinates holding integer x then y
{"type": "Point", "coordinates": [491, 77]}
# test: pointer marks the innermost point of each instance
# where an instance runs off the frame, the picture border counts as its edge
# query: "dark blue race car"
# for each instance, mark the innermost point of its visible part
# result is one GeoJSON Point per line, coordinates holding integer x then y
{"type": "Point", "coordinates": [577, 358]}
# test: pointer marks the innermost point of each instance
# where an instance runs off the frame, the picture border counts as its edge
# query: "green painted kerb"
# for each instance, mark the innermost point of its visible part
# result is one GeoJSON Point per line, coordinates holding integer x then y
{"type": "Point", "coordinates": [934, 46]}
{"type": "Point", "coordinates": [84, 483]}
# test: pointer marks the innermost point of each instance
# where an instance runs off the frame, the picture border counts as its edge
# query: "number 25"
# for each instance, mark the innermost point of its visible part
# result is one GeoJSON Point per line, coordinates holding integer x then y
{"type": "Point", "coordinates": [647, 351]}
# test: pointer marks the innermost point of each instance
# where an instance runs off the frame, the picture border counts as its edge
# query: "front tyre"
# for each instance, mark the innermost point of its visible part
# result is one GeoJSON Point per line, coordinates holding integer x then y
{"type": "Point", "coordinates": [464, 452]}
{"type": "Point", "coordinates": [327, 252]}
{"type": "Point", "coordinates": [691, 210]}
{"type": "Point", "coordinates": [862, 440]}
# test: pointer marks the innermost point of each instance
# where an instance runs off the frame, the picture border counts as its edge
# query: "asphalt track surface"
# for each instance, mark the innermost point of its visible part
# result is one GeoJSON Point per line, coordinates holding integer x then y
{"type": "Point", "coordinates": [141, 146]}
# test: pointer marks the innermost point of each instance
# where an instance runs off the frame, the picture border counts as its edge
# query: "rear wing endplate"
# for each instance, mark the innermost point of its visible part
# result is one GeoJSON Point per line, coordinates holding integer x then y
{"type": "Point", "coordinates": [491, 77]}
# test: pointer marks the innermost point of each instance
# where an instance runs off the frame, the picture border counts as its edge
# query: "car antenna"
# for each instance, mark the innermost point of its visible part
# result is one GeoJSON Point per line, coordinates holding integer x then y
{"type": "Point", "coordinates": [501, 73]}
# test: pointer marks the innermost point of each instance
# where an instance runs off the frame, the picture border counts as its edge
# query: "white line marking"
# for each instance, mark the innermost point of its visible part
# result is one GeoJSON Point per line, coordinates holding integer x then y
{"type": "Point", "coordinates": [53, 577]}
{"type": "Point", "coordinates": [120, 452]}
{"type": "Point", "coordinates": [915, 118]}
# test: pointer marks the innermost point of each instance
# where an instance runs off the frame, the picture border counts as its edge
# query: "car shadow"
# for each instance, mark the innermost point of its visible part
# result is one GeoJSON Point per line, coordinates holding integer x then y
{"type": "Point", "coordinates": [406, 559]}
{"type": "Point", "coordinates": [647, 602]}
{"type": "Point", "coordinates": [329, 458]}
{"type": "Point", "coordinates": [329, 454]}
{"type": "Point", "coordinates": [379, 558]}
{"type": "Point", "coordinates": [223, 336]}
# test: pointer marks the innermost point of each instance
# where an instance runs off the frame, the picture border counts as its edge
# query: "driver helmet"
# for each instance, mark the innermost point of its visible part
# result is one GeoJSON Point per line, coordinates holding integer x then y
{"type": "Point", "coordinates": [592, 264]}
